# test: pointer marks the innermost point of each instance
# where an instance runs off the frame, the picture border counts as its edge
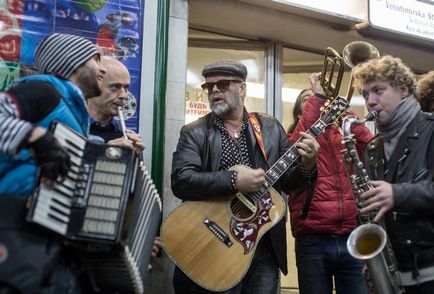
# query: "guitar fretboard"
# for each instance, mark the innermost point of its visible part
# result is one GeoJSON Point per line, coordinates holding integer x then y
{"type": "Point", "coordinates": [333, 112]}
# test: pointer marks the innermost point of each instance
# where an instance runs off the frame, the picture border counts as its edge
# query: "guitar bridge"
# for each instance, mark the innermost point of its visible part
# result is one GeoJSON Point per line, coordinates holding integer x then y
{"type": "Point", "coordinates": [218, 232]}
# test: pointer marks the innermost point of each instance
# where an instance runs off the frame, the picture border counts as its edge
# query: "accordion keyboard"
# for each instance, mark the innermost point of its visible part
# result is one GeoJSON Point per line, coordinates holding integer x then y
{"type": "Point", "coordinates": [90, 202]}
{"type": "Point", "coordinates": [53, 208]}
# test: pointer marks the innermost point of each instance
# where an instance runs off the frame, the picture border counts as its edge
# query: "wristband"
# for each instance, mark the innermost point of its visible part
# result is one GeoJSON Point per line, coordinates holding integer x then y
{"type": "Point", "coordinates": [233, 181]}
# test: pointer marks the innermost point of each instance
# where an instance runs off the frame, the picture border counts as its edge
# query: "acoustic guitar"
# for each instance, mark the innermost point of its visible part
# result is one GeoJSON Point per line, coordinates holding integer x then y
{"type": "Point", "coordinates": [213, 241]}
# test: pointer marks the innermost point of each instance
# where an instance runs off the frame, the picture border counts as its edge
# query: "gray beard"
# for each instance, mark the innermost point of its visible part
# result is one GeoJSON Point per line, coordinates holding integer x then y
{"type": "Point", "coordinates": [221, 109]}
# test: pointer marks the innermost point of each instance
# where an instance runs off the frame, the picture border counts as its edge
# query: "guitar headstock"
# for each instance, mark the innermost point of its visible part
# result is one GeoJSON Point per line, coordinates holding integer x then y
{"type": "Point", "coordinates": [334, 109]}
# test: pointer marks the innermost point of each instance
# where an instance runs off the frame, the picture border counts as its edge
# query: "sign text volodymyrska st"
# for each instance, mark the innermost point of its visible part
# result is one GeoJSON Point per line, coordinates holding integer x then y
{"type": "Point", "coordinates": [410, 17]}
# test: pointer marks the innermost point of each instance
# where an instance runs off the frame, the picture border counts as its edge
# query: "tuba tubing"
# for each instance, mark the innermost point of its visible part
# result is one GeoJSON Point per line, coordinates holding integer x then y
{"type": "Point", "coordinates": [332, 73]}
{"type": "Point", "coordinates": [334, 65]}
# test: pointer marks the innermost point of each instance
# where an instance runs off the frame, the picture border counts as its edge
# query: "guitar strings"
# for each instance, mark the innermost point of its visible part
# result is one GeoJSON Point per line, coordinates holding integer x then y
{"type": "Point", "coordinates": [239, 207]}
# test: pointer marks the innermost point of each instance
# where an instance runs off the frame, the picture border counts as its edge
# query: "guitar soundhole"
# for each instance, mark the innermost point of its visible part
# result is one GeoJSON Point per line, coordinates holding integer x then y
{"type": "Point", "coordinates": [240, 211]}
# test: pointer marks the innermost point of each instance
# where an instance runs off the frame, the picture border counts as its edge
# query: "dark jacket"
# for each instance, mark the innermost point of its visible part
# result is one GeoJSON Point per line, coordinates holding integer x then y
{"type": "Point", "coordinates": [196, 161]}
{"type": "Point", "coordinates": [333, 208]}
{"type": "Point", "coordinates": [410, 226]}
{"type": "Point", "coordinates": [48, 268]}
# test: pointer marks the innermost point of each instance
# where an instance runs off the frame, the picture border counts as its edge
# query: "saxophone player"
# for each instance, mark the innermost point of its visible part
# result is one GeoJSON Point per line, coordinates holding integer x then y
{"type": "Point", "coordinates": [400, 163]}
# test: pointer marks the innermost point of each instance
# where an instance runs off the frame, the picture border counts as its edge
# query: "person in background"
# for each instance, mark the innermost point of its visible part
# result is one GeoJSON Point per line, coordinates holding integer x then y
{"type": "Point", "coordinates": [425, 91]}
{"type": "Point", "coordinates": [209, 146]}
{"type": "Point", "coordinates": [300, 101]}
{"type": "Point", "coordinates": [400, 164]}
{"type": "Point", "coordinates": [33, 260]}
{"type": "Point", "coordinates": [322, 219]}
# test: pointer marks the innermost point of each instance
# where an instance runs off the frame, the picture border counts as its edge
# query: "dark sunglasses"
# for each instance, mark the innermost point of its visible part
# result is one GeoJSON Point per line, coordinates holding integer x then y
{"type": "Point", "coordinates": [222, 85]}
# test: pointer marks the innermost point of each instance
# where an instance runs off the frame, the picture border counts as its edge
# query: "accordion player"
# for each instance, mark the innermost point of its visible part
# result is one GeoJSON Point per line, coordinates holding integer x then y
{"type": "Point", "coordinates": [107, 206]}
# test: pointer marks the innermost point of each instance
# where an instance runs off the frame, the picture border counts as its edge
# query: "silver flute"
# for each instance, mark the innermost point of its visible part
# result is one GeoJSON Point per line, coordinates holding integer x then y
{"type": "Point", "coordinates": [122, 121]}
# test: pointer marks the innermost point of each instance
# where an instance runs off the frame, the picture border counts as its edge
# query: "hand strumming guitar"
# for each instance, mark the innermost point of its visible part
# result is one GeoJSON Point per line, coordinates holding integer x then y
{"type": "Point", "coordinates": [248, 179]}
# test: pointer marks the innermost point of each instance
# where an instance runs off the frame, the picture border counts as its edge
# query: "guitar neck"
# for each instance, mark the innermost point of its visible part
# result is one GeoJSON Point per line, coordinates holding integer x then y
{"type": "Point", "coordinates": [288, 159]}
{"type": "Point", "coordinates": [332, 111]}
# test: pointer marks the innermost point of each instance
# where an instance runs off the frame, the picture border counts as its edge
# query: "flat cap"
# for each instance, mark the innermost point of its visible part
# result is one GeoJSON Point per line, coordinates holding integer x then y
{"type": "Point", "coordinates": [225, 67]}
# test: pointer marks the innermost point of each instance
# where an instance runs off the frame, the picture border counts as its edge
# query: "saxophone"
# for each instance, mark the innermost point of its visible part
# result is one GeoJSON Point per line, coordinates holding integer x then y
{"type": "Point", "coordinates": [368, 241]}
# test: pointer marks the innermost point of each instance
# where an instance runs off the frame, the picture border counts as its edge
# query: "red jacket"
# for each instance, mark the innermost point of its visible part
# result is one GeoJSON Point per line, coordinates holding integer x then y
{"type": "Point", "coordinates": [333, 208]}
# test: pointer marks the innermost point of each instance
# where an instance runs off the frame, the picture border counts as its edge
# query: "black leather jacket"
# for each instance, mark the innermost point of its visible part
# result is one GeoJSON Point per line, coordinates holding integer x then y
{"type": "Point", "coordinates": [410, 226]}
{"type": "Point", "coordinates": [196, 161]}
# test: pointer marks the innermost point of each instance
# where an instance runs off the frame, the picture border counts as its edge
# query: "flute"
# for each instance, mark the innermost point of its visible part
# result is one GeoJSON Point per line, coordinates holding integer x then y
{"type": "Point", "coordinates": [122, 121]}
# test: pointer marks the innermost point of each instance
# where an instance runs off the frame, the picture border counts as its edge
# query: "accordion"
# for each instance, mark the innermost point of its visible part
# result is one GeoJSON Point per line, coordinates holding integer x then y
{"type": "Point", "coordinates": [108, 206]}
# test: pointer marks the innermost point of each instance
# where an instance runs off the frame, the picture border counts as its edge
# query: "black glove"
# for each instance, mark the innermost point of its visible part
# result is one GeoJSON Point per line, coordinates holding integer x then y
{"type": "Point", "coordinates": [51, 157]}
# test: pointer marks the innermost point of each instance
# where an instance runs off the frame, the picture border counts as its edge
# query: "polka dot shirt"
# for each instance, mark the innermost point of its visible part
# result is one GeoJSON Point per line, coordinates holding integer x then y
{"type": "Point", "coordinates": [233, 151]}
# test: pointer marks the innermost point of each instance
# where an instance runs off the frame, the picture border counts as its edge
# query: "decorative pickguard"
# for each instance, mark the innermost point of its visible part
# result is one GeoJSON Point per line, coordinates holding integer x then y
{"type": "Point", "coordinates": [246, 232]}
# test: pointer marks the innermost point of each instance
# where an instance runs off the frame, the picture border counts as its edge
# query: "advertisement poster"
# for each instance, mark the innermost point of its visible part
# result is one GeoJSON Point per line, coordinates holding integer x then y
{"type": "Point", "coordinates": [114, 25]}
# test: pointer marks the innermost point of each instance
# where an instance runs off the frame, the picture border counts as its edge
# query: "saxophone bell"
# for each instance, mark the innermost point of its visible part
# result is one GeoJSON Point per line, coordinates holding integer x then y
{"type": "Point", "coordinates": [366, 241]}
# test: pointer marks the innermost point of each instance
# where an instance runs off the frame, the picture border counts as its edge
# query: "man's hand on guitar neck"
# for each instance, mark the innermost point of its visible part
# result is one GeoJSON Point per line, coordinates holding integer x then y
{"type": "Point", "coordinates": [248, 179]}
{"type": "Point", "coordinates": [308, 149]}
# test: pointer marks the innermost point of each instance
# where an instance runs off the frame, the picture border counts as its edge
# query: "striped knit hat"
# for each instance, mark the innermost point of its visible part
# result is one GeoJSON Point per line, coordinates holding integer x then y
{"type": "Point", "coordinates": [62, 54]}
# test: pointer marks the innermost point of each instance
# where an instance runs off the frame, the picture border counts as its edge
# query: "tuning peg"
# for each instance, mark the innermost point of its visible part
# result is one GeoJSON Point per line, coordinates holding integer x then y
{"type": "Point", "coordinates": [321, 108]}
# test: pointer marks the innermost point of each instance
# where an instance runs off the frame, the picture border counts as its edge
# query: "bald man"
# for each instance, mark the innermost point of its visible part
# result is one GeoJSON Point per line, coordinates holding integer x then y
{"type": "Point", "coordinates": [114, 89]}
{"type": "Point", "coordinates": [102, 109]}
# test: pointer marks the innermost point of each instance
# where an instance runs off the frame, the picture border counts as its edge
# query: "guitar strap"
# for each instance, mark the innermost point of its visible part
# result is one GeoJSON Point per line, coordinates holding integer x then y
{"type": "Point", "coordinates": [257, 131]}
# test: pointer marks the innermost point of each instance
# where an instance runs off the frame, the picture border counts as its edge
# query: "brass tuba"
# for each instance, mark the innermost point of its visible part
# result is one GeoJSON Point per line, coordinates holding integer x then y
{"type": "Point", "coordinates": [354, 53]}
{"type": "Point", "coordinates": [334, 65]}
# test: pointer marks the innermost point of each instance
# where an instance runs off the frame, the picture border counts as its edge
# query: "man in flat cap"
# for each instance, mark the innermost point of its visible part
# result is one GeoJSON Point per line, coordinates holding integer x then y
{"type": "Point", "coordinates": [31, 261]}
{"type": "Point", "coordinates": [225, 152]}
